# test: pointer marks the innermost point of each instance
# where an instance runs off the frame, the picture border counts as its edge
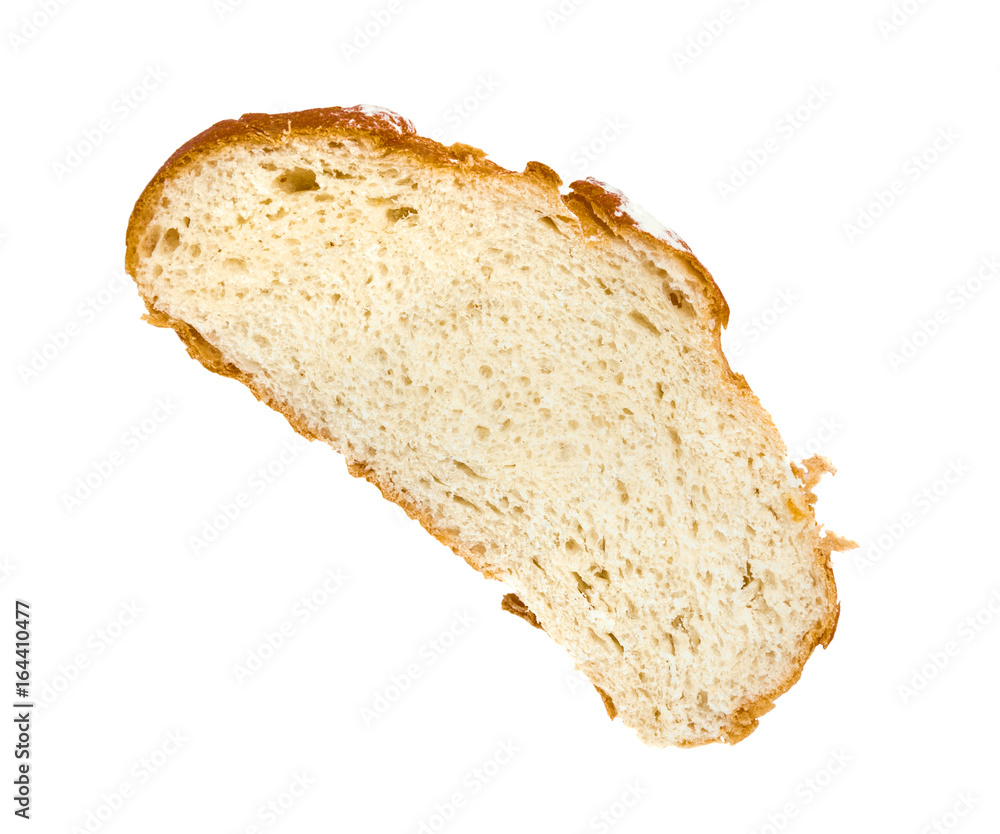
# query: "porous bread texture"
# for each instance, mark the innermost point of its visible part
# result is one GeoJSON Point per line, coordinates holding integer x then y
{"type": "Point", "coordinates": [533, 375]}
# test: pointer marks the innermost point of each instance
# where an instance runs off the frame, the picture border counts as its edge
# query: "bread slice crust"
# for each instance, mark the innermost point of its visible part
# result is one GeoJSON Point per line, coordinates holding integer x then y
{"type": "Point", "coordinates": [605, 213]}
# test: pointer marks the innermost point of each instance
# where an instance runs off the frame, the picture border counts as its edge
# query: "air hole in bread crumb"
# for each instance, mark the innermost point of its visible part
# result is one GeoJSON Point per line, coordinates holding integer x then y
{"type": "Point", "coordinates": [296, 180]}
{"type": "Point", "coordinates": [149, 241]}
{"type": "Point", "coordinates": [548, 221]}
{"type": "Point", "coordinates": [401, 213]}
{"type": "Point", "coordinates": [572, 545]}
{"type": "Point", "coordinates": [171, 240]}
{"type": "Point", "coordinates": [614, 640]}
{"type": "Point", "coordinates": [468, 470]}
{"type": "Point", "coordinates": [640, 319]}
{"type": "Point", "coordinates": [581, 586]}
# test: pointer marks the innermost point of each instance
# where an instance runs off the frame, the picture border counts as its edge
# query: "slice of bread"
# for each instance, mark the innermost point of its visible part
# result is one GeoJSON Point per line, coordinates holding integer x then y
{"type": "Point", "coordinates": [536, 376]}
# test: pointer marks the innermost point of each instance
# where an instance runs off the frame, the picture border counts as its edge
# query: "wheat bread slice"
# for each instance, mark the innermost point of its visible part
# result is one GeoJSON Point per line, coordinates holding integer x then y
{"type": "Point", "coordinates": [534, 374]}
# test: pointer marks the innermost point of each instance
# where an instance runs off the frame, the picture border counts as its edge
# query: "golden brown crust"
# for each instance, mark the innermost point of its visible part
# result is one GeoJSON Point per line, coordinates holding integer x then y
{"type": "Point", "coordinates": [612, 212]}
{"type": "Point", "coordinates": [602, 215]}
{"type": "Point", "coordinates": [513, 604]}
{"type": "Point", "coordinates": [609, 705]}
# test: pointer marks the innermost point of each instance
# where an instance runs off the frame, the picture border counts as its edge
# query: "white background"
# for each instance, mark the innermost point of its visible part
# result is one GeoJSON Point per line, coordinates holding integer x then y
{"type": "Point", "coordinates": [829, 324]}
